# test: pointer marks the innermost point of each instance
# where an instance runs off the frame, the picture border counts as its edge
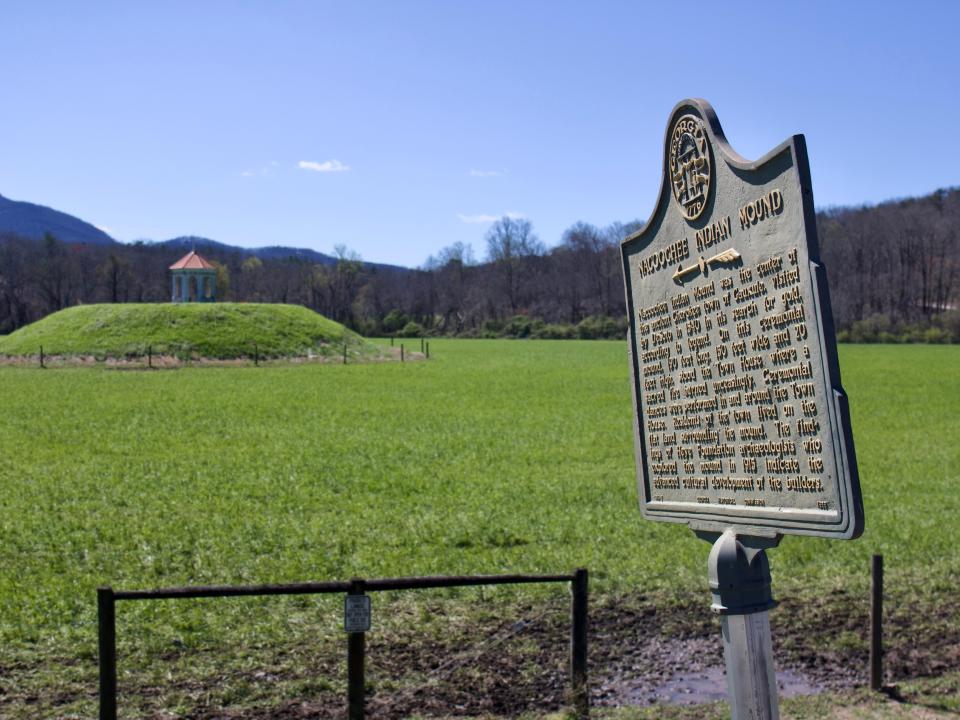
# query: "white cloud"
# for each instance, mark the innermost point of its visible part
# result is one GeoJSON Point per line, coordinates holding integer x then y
{"type": "Point", "coordinates": [477, 219]}
{"type": "Point", "coordinates": [487, 173]}
{"type": "Point", "coordinates": [264, 171]}
{"type": "Point", "coordinates": [328, 166]}
{"type": "Point", "coordinates": [104, 228]}
{"type": "Point", "coordinates": [480, 219]}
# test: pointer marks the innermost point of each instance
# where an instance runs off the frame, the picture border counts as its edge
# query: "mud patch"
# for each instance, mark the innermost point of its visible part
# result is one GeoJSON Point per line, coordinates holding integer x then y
{"type": "Point", "coordinates": [682, 672]}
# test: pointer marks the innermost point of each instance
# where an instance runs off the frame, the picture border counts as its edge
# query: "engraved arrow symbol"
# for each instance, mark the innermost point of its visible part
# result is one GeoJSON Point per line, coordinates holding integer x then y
{"type": "Point", "coordinates": [725, 257]}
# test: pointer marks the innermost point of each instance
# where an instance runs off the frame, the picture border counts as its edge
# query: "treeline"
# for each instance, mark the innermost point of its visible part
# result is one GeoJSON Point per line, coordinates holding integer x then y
{"type": "Point", "coordinates": [892, 270]}
{"type": "Point", "coordinates": [521, 289]}
{"type": "Point", "coordinates": [573, 290]}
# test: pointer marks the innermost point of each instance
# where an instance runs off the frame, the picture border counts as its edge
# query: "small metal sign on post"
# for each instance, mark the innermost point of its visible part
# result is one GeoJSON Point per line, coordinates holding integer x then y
{"type": "Point", "coordinates": [742, 429]}
{"type": "Point", "coordinates": [356, 613]}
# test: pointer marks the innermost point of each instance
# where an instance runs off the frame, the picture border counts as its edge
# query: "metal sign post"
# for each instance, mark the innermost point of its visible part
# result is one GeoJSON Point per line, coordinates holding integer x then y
{"type": "Point", "coordinates": [739, 577]}
{"type": "Point", "coordinates": [742, 429]}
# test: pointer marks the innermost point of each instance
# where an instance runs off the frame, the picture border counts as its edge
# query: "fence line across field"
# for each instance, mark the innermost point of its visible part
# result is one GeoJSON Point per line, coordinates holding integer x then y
{"type": "Point", "coordinates": [42, 357]}
{"type": "Point", "coordinates": [107, 598]}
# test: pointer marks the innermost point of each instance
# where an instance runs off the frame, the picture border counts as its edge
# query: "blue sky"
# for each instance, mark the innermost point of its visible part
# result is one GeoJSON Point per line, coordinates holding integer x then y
{"type": "Point", "coordinates": [398, 128]}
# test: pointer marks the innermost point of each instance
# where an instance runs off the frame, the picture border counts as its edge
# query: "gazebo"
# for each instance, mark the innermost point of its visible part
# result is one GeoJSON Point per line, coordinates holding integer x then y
{"type": "Point", "coordinates": [194, 279]}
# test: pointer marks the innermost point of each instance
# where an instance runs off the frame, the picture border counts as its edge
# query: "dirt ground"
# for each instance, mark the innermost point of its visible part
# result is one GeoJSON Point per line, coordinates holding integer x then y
{"type": "Point", "coordinates": [643, 653]}
{"type": "Point", "coordinates": [647, 656]}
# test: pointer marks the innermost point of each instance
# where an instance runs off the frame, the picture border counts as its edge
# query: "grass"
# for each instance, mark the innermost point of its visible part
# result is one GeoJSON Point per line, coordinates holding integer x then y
{"type": "Point", "coordinates": [495, 456]}
{"type": "Point", "coordinates": [216, 330]}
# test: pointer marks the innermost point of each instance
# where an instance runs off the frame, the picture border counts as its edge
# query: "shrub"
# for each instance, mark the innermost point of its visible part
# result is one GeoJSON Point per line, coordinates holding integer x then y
{"type": "Point", "coordinates": [942, 328]}
{"type": "Point", "coordinates": [554, 331]}
{"type": "Point", "coordinates": [411, 329]}
{"type": "Point", "coordinates": [935, 335]}
{"type": "Point", "coordinates": [521, 326]}
{"type": "Point", "coordinates": [394, 321]}
{"type": "Point", "coordinates": [593, 328]}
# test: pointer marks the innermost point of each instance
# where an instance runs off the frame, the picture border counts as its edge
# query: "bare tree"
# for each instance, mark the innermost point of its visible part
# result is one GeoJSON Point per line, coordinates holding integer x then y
{"type": "Point", "coordinates": [510, 242]}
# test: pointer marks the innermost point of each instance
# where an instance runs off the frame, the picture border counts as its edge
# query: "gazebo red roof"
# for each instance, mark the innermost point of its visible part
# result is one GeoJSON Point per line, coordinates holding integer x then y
{"type": "Point", "coordinates": [192, 261]}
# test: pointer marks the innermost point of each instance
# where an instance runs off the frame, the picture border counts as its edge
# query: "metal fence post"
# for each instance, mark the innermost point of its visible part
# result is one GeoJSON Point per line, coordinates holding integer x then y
{"type": "Point", "coordinates": [356, 648]}
{"type": "Point", "coordinates": [876, 622]}
{"type": "Point", "coordinates": [578, 644]}
{"type": "Point", "coordinates": [107, 632]}
{"type": "Point", "coordinates": [401, 352]}
{"type": "Point", "coordinates": [41, 356]}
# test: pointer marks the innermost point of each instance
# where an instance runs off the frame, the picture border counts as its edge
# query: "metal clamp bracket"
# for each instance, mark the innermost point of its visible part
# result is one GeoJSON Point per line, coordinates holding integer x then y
{"type": "Point", "coordinates": [739, 572]}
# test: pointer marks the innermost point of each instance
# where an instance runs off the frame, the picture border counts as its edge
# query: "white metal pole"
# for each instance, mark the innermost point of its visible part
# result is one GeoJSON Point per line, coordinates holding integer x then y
{"type": "Point", "coordinates": [751, 679]}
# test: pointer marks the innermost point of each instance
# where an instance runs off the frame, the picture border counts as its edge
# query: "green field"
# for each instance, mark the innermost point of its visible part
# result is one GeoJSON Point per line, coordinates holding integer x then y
{"type": "Point", "coordinates": [494, 456]}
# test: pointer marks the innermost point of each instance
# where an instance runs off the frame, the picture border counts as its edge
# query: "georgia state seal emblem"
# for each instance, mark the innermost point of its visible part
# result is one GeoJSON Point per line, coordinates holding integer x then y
{"type": "Point", "coordinates": [689, 165]}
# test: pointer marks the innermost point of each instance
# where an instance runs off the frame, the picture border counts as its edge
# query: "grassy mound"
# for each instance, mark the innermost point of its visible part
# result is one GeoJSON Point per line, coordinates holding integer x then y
{"type": "Point", "coordinates": [216, 330]}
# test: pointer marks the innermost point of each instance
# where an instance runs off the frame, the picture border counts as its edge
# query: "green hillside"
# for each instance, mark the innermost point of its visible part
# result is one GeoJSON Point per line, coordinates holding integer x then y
{"type": "Point", "coordinates": [216, 330]}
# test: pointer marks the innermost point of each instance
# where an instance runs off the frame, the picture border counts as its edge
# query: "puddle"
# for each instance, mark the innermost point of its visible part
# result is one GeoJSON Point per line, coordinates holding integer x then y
{"type": "Point", "coordinates": [686, 671]}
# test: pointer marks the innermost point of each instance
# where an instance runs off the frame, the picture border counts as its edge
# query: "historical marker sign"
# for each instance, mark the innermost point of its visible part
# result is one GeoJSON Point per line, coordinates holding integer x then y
{"type": "Point", "coordinates": [740, 417]}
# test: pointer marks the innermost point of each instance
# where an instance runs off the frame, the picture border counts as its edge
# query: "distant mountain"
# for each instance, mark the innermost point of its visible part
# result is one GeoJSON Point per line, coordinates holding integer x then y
{"type": "Point", "coordinates": [273, 252]}
{"type": "Point", "coordinates": [33, 221]}
{"type": "Point", "coordinates": [270, 252]}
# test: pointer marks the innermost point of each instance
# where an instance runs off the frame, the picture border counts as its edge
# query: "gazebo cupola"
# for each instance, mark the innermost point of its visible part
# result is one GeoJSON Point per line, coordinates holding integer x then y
{"type": "Point", "coordinates": [194, 279]}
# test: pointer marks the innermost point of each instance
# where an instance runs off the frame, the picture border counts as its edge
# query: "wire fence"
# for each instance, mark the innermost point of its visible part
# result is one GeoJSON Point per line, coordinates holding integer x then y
{"type": "Point", "coordinates": [251, 354]}
{"type": "Point", "coordinates": [357, 625]}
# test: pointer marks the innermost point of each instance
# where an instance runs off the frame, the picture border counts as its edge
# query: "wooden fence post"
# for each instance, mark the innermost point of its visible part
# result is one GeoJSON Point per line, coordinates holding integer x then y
{"type": "Point", "coordinates": [41, 356]}
{"type": "Point", "coordinates": [578, 645]}
{"type": "Point", "coordinates": [876, 622]}
{"type": "Point", "coordinates": [356, 650]}
{"type": "Point", "coordinates": [107, 636]}
{"type": "Point", "coordinates": [401, 352]}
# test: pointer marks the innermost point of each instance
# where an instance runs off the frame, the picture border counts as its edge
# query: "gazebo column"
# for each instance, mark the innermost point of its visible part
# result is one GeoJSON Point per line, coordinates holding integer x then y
{"type": "Point", "coordinates": [173, 292]}
{"type": "Point", "coordinates": [185, 288]}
